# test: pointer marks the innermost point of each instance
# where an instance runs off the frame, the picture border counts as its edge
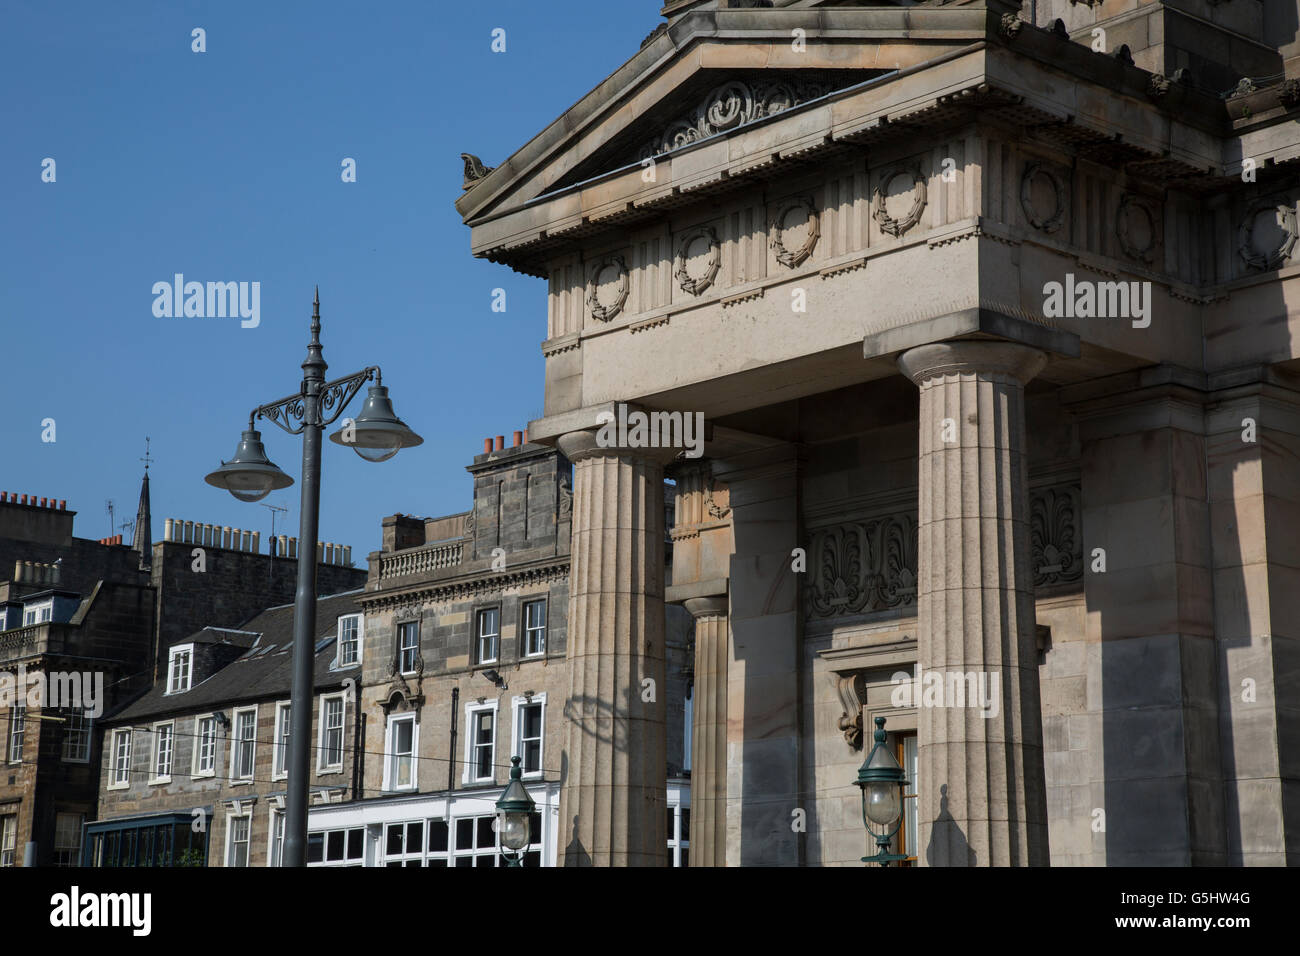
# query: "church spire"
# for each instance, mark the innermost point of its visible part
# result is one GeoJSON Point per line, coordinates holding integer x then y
{"type": "Point", "coordinates": [142, 542]}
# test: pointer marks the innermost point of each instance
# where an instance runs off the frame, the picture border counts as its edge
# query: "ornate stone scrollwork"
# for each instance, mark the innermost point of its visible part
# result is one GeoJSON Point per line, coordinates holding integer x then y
{"type": "Point", "coordinates": [1134, 218]}
{"type": "Point", "coordinates": [805, 214]}
{"type": "Point", "coordinates": [852, 690]}
{"type": "Point", "coordinates": [863, 566]}
{"type": "Point", "coordinates": [731, 105]}
{"type": "Point", "coordinates": [1038, 173]}
{"type": "Point", "coordinates": [695, 284]}
{"type": "Point", "coordinates": [1262, 252]}
{"type": "Point", "coordinates": [1010, 25]}
{"type": "Point", "coordinates": [565, 496]}
{"type": "Point", "coordinates": [605, 311]}
{"type": "Point", "coordinates": [474, 169]}
{"type": "Point", "coordinates": [1055, 536]}
{"type": "Point", "coordinates": [880, 201]}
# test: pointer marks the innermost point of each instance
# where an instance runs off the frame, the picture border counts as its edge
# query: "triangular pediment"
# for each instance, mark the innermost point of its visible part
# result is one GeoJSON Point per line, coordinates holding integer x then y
{"type": "Point", "coordinates": [710, 72]}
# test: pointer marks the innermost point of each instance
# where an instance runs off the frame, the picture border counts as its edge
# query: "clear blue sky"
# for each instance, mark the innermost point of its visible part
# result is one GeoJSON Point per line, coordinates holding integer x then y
{"type": "Point", "coordinates": [225, 166]}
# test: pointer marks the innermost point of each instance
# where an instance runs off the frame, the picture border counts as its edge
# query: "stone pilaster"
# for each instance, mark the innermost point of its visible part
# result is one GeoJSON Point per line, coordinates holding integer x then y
{"type": "Point", "coordinates": [982, 793]}
{"type": "Point", "coordinates": [614, 798]}
{"type": "Point", "coordinates": [709, 733]}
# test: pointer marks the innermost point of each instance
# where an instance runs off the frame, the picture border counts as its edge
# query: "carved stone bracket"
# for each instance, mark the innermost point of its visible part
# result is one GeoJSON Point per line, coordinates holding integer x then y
{"type": "Point", "coordinates": [698, 283]}
{"type": "Point", "coordinates": [777, 228]}
{"type": "Point", "coordinates": [851, 687]}
{"type": "Point", "coordinates": [879, 201]}
{"type": "Point", "coordinates": [605, 311]}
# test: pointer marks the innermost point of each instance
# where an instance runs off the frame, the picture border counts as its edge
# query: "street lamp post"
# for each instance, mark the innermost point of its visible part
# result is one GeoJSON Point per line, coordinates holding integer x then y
{"type": "Point", "coordinates": [882, 781]}
{"type": "Point", "coordinates": [376, 435]}
{"type": "Point", "coordinates": [514, 816]}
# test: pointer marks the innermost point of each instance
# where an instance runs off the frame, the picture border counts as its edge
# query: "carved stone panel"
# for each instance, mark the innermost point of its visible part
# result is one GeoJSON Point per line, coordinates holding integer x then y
{"type": "Point", "coordinates": [1137, 225]}
{"type": "Point", "coordinates": [793, 231]}
{"type": "Point", "coordinates": [1267, 235]}
{"type": "Point", "coordinates": [607, 288]}
{"type": "Point", "coordinates": [1042, 197]}
{"type": "Point", "coordinates": [896, 206]}
{"type": "Point", "coordinates": [699, 257]}
{"type": "Point", "coordinates": [1055, 536]}
{"type": "Point", "coordinates": [863, 566]}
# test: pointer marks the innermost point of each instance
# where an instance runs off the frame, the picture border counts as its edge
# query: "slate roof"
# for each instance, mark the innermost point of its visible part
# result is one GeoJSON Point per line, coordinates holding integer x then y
{"type": "Point", "coordinates": [264, 671]}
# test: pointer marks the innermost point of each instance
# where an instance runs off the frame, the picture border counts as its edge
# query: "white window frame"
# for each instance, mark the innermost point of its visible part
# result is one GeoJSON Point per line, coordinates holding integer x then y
{"type": "Point", "coordinates": [322, 748]}
{"type": "Point", "coordinates": [77, 723]}
{"type": "Point", "coordinates": [68, 848]}
{"type": "Point", "coordinates": [198, 769]}
{"type": "Point", "coordinates": [186, 651]}
{"type": "Point", "coordinates": [38, 613]}
{"type": "Point", "coordinates": [390, 755]}
{"type": "Point", "coordinates": [676, 844]}
{"type": "Point", "coordinates": [113, 770]}
{"type": "Point", "coordinates": [517, 705]}
{"type": "Point", "coordinates": [17, 734]}
{"type": "Point", "coordinates": [479, 614]}
{"type": "Point", "coordinates": [158, 737]}
{"type": "Point", "coordinates": [529, 602]}
{"type": "Point", "coordinates": [280, 742]}
{"type": "Point", "coordinates": [338, 643]}
{"type": "Point", "coordinates": [275, 837]}
{"type": "Point", "coordinates": [415, 657]}
{"type": "Point", "coordinates": [8, 839]}
{"type": "Point", "coordinates": [230, 837]}
{"type": "Point", "coordinates": [471, 746]}
{"type": "Point", "coordinates": [235, 777]}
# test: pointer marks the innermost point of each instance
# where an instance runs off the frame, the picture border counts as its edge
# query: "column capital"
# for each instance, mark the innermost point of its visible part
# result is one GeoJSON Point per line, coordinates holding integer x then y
{"type": "Point", "coordinates": [971, 358]}
{"type": "Point", "coordinates": [583, 444]}
{"type": "Point", "coordinates": [706, 607]}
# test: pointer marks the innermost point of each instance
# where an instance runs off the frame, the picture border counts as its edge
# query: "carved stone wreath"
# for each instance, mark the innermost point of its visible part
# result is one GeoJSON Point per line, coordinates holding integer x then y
{"type": "Point", "coordinates": [880, 209]}
{"type": "Point", "coordinates": [697, 284]}
{"type": "Point", "coordinates": [1129, 205]}
{"type": "Point", "coordinates": [788, 257]}
{"type": "Point", "coordinates": [1286, 220]}
{"type": "Point", "coordinates": [1048, 224]}
{"type": "Point", "coordinates": [606, 311]}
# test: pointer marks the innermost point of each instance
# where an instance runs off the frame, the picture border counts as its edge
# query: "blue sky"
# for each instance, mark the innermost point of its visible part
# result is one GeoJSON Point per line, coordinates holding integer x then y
{"type": "Point", "coordinates": [225, 166]}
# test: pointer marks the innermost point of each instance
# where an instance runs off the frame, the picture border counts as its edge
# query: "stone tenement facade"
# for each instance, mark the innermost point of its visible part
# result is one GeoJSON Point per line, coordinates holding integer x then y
{"type": "Point", "coordinates": [464, 665]}
{"type": "Point", "coordinates": [989, 310]}
{"type": "Point", "coordinates": [194, 772]}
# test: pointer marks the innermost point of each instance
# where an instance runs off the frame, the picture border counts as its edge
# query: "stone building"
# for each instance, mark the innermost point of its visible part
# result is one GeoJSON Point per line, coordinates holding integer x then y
{"type": "Point", "coordinates": [465, 664]}
{"type": "Point", "coordinates": [987, 306]}
{"type": "Point", "coordinates": [195, 771]}
{"type": "Point", "coordinates": [96, 617]}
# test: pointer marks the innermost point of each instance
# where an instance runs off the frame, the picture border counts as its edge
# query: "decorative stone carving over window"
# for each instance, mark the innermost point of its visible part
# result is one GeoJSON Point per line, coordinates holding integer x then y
{"type": "Point", "coordinates": [731, 105]}
{"type": "Point", "coordinates": [704, 239]}
{"type": "Point", "coordinates": [880, 201]}
{"type": "Point", "coordinates": [852, 691]}
{"type": "Point", "coordinates": [863, 566]}
{"type": "Point", "coordinates": [1055, 536]}
{"type": "Point", "coordinates": [1137, 225]}
{"type": "Point", "coordinates": [1268, 233]}
{"type": "Point", "coordinates": [799, 215]}
{"type": "Point", "coordinates": [611, 271]}
{"type": "Point", "coordinates": [1038, 184]}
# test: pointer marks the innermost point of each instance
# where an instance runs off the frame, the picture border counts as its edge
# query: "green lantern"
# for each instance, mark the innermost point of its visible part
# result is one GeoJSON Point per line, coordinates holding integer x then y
{"type": "Point", "coordinates": [882, 780]}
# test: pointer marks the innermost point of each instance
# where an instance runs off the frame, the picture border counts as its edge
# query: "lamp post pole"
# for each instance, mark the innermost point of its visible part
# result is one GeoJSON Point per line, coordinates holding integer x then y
{"type": "Point", "coordinates": [376, 435]}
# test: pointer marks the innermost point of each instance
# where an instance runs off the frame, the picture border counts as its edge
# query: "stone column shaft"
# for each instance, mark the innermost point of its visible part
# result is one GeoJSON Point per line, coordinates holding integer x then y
{"type": "Point", "coordinates": [982, 792]}
{"type": "Point", "coordinates": [709, 732]}
{"type": "Point", "coordinates": [613, 801]}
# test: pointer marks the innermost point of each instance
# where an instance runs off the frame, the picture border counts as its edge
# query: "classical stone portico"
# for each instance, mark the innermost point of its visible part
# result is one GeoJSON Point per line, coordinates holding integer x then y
{"type": "Point", "coordinates": [995, 339]}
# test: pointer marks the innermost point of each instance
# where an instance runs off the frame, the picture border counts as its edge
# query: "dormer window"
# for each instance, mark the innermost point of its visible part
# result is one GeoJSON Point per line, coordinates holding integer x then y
{"type": "Point", "coordinates": [349, 640]}
{"type": "Point", "coordinates": [179, 668]}
{"type": "Point", "coordinates": [38, 613]}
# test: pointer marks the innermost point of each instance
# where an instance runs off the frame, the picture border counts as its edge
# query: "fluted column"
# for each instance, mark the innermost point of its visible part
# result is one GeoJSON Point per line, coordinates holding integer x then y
{"type": "Point", "coordinates": [982, 793]}
{"type": "Point", "coordinates": [709, 732]}
{"type": "Point", "coordinates": [613, 799]}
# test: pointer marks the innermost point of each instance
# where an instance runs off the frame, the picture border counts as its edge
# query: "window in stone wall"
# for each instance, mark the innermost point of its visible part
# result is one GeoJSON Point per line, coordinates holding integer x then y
{"type": "Point", "coordinates": [163, 741]}
{"type": "Point", "coordinates": [280, 757]}
{"type": "Point", "coordinates": [337, 847]}
{"type": "Point", "coordinates": [17, 727]}
{"type": "Point", "coordinates": [67, 839]}
{"type": "Point", "coordinates": [480, 742]}
{"type": "Point", "coordinates": [121, 758]}
{"type": "Point", "coordinates": [76, 735]}
{"type": "Point", "coordinates": [349, 644]}
{"type": "Point", "coordinates": [8, 838]}
{"type": "Point", "coordinates": [679, 836]}
{"type": "Point", "coordinates": [909, 832]}
{"type": "Point", "coordinates": [399, 769]}
{"type": "Point", "coordinates": [243, 744]}
{"type": "Point", "coordinates": [205, 746]}
{"type": "Point", "coordinates": [534, 628]}
{"type": "Point", "coordinates": [276, 855]}
{"type": "Point", "coordinates": [331, 733]}
{"type": "Point", "coordinates": [408, 646]}
{"type": "Point", "coordinates": [529, 713]}
{"type": "Point", "coordinates": [240, 830]}
{"type": "Point", "coordinates": [489, 633]}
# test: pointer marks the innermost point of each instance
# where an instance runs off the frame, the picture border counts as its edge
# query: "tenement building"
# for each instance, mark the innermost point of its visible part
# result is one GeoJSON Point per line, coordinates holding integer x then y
{"type": "Point", "coordinates": [987, 308]}
{"type": "Point", "coordinates": [465, 663]}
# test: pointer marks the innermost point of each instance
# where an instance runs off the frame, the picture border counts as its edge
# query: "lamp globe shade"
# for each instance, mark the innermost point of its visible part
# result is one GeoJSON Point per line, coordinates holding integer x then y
{"type": "Point", "coordinates": [250, 475]}
{"type": "Point", "coordinates": [377, 434]}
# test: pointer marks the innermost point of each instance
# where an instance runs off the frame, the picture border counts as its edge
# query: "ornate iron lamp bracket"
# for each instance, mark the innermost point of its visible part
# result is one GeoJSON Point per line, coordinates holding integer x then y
{"type": "Point", "coordinates": [290, 413]}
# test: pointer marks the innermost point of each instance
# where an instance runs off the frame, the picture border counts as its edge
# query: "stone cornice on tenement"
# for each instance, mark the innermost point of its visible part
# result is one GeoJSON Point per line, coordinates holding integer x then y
{"type": "Point", "coordinates": [465, 587]}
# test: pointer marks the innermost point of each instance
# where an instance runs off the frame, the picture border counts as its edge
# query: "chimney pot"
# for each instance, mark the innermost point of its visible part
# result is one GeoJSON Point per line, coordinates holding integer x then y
{"type": "Point", "coordinates": [24, 499]}
{"type": "Point", "coordinates": [519, 439]}
{"type": "Point", "coordinates": [487, 446]}
{"type": "Point", "coordinates": [63, 504]}
{"type": "Point", "coordinates": [501, 442]}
